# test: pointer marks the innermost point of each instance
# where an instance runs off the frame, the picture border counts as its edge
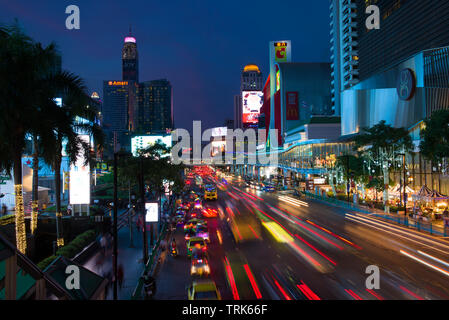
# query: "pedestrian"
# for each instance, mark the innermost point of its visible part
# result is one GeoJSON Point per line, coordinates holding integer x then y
{"type": "Point", "coordinates": [69, 210]}
{"type": "Point", "coordinates": [446, 218]}
{"type": "Point", "coordinates": [103, 244]}
{"type": "Point", "coordinates": [4, 209]}
{"type": "Point", "coordinates": [120, 275]}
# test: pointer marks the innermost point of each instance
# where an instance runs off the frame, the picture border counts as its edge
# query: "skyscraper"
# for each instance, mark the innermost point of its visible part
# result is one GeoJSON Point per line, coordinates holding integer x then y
{"type": "Point", "coordinates": [344, 48]}
{"type": "Point", "coordinates": [251, 80]}
{"type": "Point", "coordinates": [115, 111]}
{"type": "Point", "coordinates": [406, 27]}
{"type": "Point", "coordinates": [130, 60]}
{"type": "Point", "coordinates": [155, 101]}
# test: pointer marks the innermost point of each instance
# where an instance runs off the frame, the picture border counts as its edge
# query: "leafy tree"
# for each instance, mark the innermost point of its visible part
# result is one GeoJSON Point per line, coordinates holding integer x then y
{"type": "Point", "coordinates": [382, 144]}
{"type": "Point", "coordinates": [434, 145]}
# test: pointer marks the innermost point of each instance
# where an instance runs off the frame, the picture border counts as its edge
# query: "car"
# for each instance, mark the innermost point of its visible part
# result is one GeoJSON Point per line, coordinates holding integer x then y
{"type": "Point", "coordinates": [203, 232]}
{"type": "Point", "coordinates": [203, 290]}
{"type": "Point", "coordinates": [195, 242]}
{"type": "Point", "coordinates": [267, 187]}
{"type": "Point", "coordinates": [192, 223]}
{"type": "Point", "coordinates": [191, 233]}
{"type": "Point", "coordinates": [200, 267]}
{"type": "Point", "coordinates": [210, 193]}
{"type": "Point", "coordinates": [210, 212]}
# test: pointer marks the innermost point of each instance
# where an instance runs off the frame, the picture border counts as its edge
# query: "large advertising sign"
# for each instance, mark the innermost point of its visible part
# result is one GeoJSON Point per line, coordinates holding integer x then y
{"type": "Point", "coordinates": [80, 179]}
{"type": "Point", "coordinates": [292, 105]}
{"type": "Point", "coordinates": [280, 51]}
{"type": "Point", "coordinates": [218, 147]}
{"type": "Point", "coordinates": [252, 101]}
{"type": "Point", "coordinates": [219, 132]}
{"type": "Point", "coordinates": [142, 142]}
{"type": "Point", "coordinates": [152, 212]}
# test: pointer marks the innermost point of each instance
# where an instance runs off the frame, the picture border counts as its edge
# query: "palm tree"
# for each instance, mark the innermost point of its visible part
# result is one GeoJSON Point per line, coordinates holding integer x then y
{"type": "Point", "coordinates": [42, 130]}
{"type": "Point", "coordinates": [18, 112]}
{"type": "Point", "coordinates": [75, 118]}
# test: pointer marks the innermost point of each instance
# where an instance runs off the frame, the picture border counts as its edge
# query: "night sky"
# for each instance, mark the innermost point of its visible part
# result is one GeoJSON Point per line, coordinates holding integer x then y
{"type": "Point", "coordinates": [199, 46]}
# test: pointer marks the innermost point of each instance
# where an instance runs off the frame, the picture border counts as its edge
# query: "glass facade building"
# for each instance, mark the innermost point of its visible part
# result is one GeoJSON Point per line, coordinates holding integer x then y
{"type": "Point", "coordinates": [155, 112]}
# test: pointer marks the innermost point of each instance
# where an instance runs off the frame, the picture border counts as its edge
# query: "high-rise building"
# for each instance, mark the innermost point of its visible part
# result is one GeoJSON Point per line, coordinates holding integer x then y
{"type": "Point", "coordinates": [115, 111]}
{"type": "Point", "coordinates": [406, 27]}
{"type": "Point", "coordinates": [237, 111]}
{"type": "Point", "coordinates": [155, 100]}
{"type": "Point", "coordinates": [251, 80]}
{"type": "Point", "coordinates": [402, 66]}
{"type": "Point", "coordinates": [344, 48]}
{"type": "Point", "coordinates": [130, 59]}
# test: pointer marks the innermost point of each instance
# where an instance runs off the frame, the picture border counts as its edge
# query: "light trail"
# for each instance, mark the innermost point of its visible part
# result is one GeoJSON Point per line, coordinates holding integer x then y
{"type": "Point", "coordinates": [360, 220]}
{"type": "Point", "coordinates": [445, 272]}
{"type": "Point", "coordinates": [293, 201]}
{"type": "Point", "coordinates": [433, 258]}
{"type": "Point", "coordinates": [231, 279]}
{"type": "Point", "coordinates": [353, 294]}
{"type": "Point", "coordinates": [316, 250]}
{"type": "Point", "coordinates": [307, 291]}
{"type": "Point", "coordinates": [253, 281]}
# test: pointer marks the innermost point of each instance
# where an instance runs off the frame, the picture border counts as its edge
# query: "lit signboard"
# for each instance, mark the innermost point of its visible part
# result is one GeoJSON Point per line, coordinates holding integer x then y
{"type": "Point", "coordinates": [118, 83]}
{"type": "Point", "coordinates": [218, 147]}
{"type": "Point", "coordinates": [319, 181]}
{"type": "Point", "coordinates": [80, 179]}
{"type": "Point", "coordinates": [58, 101]}
{"type": "Point", "coordinates": [152, 209]}
{"type": "Point", "coordinates": [280, 50]}
{"type": "Point", "coordinates": [251, 103]}
{"type": "Point", "coordinates": [219, 131]}
{"type": "Point", "coordinates": [142, 142]}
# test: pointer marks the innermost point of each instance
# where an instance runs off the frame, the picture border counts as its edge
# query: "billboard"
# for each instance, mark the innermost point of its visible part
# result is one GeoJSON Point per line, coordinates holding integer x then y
{"type": "Point", "coordinates": [292, 105]}
{"type": "Point", "coordinates": [219, 131]}
{"type": "Point", "coordinates": [80, 179]}
{"type": "Point", "coordinates": [152, 210]}
{"type": "Point", "coordinates": [218, 147]}
{"type": "Point", "coordinates": [252, 101]}
{"type": "Point", "coordinates": [142, 142]}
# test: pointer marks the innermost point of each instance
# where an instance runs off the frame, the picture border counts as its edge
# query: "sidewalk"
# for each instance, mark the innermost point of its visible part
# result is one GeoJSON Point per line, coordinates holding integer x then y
{"type": "Point", "coordinates": [434, 227]}
{"type": "Point", "coordinates": [129, 257]}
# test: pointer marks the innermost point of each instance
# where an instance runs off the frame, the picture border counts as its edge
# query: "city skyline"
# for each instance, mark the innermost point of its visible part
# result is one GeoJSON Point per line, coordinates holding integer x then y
{"type": "Point", "coordinates": [188, 56]}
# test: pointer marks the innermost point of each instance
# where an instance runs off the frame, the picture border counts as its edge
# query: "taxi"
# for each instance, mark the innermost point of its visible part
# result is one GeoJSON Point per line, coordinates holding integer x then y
{"type": "Point", "coordinates": [203, 290]}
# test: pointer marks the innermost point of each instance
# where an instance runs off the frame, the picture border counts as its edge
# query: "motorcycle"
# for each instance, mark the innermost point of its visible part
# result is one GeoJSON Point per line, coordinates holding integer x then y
{"type": "Point", "coordinates": [174, 252]}
{"type": "Point", "coordinates": [149, 287]}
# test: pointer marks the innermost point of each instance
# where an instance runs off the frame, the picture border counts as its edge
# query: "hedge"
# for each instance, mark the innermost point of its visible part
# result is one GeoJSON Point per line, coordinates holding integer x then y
{"type": "Point", "coordinates": [7, 219]}
{"type": "Point", "coordinates": [71, 249]}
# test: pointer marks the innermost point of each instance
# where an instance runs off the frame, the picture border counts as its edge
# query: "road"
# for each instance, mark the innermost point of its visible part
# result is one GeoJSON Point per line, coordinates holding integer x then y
{"type": "Point", "coordinates": [285, 248]}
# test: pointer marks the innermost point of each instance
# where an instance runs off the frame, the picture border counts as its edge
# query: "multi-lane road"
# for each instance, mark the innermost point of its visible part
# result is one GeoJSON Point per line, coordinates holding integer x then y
{"type": "Point", "coordinates": [276, 246]}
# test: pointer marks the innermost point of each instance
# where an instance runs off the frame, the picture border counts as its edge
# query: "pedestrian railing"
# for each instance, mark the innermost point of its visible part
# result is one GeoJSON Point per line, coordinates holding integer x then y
{"type": "Point", "coordinates": [418, 224]}
{"type": "Point", "coordinates": [154, 254]}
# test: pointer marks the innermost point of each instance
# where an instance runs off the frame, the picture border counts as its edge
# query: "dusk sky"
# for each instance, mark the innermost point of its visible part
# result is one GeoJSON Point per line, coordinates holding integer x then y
{"type": "Point", "coordinates": [199, 46]}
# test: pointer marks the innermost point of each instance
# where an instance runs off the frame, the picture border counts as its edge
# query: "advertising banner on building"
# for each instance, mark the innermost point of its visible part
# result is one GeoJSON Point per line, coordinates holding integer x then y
{"type": "Point", "coordinates": [292, 105]}
{"type": "Point", "coordinates": [80, 179]}
{"type": "Point", "coordinates": [219, 131]}
{"type": "Point", "coordinates": [252, 101]}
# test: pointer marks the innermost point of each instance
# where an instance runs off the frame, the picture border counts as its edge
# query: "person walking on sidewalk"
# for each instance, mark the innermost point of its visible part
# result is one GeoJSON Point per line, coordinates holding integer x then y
{"type": "Point", "coordinates": [120, 275]}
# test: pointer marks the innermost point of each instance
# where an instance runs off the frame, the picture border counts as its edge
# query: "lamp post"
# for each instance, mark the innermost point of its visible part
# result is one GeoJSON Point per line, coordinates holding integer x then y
{"type": "Point", "coordinates": [142, 196]}
{"type": "Point", "coordinates": [114, 228]}
{"type": "Point", "coordinates": [404, 185]}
